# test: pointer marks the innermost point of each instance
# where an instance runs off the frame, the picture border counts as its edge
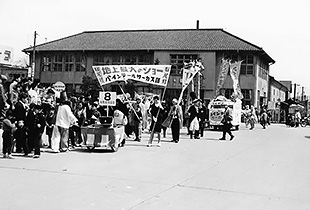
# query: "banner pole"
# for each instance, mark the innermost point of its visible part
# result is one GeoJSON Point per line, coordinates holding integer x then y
{"type": "Point", "coordinates": [157, 114]}
{"type": "Point", "coordinates": [134, 111]}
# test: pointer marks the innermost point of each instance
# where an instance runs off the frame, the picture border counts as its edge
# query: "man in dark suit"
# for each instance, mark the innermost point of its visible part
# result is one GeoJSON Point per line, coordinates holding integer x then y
{"type": "Point", "coordinates": [19, 114]}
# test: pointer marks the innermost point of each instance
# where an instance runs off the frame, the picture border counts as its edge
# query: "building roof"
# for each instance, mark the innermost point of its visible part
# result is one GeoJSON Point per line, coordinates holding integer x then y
{"type": "Point", "coordinates": [170, 39]}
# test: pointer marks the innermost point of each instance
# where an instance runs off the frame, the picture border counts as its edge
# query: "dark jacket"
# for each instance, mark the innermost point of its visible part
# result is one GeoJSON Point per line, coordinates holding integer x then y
{"type": "Point", "coordinates": [193, 112]}
{"type": "Point", "coordinates": [19, 112]}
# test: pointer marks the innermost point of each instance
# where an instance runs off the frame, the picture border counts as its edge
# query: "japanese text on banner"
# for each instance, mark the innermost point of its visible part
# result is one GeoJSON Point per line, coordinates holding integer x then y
{"type": "Point", "coordinates": [152, 74]}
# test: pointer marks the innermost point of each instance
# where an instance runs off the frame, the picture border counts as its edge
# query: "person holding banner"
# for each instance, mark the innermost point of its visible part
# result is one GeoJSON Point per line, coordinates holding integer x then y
{"type": "Point", "coordinates": [156, 111]}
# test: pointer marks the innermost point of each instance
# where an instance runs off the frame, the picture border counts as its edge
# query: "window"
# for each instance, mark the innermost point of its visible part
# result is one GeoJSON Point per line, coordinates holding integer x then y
{"type": "Point", "coordinates": [57, 63]}
{"type": "Point", "coordinates": [177, 62]}
{"type": "Point", "coordinates": [247, 65]}
{"type": "Point", "coordinates": [69, 63]}
{"type": "Point", "coordinates": [129, 60]}
{"type": "Point", "coordinates": [80, 63]}
{"type": "Point", "coordinates": [116, 60]}
{"type": "Point", "coordinates": [99, 60]}
{"type": "Point", "coordinates": [47, 63]}
{"type": "Point", "coordinates": [247, 96]}
{"type": "Point", "coordinates": [144, 59]}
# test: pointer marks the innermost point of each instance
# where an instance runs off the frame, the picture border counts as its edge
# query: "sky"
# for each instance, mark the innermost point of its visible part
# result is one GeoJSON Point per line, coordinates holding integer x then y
{"type": "Point", "coordinates": [281, 28]}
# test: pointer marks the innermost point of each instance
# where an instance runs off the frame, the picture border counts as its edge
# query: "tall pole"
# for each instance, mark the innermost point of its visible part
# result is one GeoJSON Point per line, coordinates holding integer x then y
{"type": "Point", "coordinates": [34, 55]}
{"type": "Point", "coordinates": [295, 92]}
{"type": "Point", "coordinates": [302, 93]}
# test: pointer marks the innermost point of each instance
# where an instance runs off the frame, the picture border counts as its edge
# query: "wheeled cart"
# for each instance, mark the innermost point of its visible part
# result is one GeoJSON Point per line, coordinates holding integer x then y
{"type": "Point", "coordinates": [100, 136]}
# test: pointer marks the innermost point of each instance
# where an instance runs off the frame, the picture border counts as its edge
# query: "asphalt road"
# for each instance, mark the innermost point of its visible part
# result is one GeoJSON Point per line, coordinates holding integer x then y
{"type": "Point", "coordinates": [259, 169]}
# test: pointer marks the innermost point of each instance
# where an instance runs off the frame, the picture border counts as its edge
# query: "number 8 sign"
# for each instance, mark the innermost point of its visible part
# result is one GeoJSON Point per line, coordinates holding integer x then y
{"type": "Point", "coordinates": [107, 98]}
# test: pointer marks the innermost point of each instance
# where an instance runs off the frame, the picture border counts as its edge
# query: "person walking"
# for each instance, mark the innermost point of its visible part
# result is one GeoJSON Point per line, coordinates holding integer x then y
{"type": "Point", "coordinates": [202, 113]}
{"type": "Point", "coordinates": [264, 118]}
{"type": "Point", "coordinates": [119, 122]}
{"type": "Point", "coordinates": [176, 115]}
{"type": "Point", "coordinates": [156, 111]}
{"type": "Point", "coordinates": [226, 121]}
{"type": "Point", "coordinates": [194, 119]}
{"type": "Point", "coordinates": [253, 117]}
{"type": "Point", "coordinates": [165, 116]}
{"type": "Point", "coordinates": [136, 120]}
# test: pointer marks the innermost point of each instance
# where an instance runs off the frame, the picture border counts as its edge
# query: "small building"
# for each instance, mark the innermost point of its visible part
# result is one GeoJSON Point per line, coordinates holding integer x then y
{"type": "Point", "coordinates": [70, 58]}
{"type": "Point", "coordinates": [278, 93]}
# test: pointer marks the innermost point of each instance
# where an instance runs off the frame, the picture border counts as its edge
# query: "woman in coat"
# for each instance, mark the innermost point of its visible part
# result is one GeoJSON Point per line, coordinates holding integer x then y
{"type": "Point", "coordinates": [176, 116]}
{"type": "Point", "coordinates": [156, 111]}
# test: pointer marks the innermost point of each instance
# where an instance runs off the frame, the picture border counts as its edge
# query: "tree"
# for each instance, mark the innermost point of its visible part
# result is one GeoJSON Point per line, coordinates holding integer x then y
{"type": "Point", "coordinates": [90, 86]}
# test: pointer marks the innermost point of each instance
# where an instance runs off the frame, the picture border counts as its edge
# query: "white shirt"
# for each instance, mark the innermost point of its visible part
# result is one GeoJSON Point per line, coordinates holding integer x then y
{"type": "Point", "coordinates": [65, 117]}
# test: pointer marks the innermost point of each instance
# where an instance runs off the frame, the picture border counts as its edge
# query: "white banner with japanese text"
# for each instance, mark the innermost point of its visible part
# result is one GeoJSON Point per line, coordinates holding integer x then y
{"type": "Point", "coordinates": [234, 73]}
{"type": "Point", "coordinates": [152, 74]}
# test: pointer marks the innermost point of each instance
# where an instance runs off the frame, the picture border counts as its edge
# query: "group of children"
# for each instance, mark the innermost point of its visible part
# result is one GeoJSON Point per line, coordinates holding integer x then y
{"type": "Point", "coordinates": [23, 135]}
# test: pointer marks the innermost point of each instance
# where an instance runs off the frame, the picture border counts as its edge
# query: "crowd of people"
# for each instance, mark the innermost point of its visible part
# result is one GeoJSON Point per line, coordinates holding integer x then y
{"type": "Point", "coordinates": [34, 117]}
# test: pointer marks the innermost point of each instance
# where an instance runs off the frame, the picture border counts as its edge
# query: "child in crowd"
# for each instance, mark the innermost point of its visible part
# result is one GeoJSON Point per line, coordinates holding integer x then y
{"type": "Point", "coordinates": [50, 123]}
{"type": "Point", "coordinates": [20, 135]}
{"type": "Point", "coordinates": [7, 135]}
{"type": "Point", "coordinates": [39, 124]}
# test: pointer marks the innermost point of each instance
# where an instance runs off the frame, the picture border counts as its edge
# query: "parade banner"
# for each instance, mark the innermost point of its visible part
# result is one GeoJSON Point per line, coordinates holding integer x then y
{"type": "Point", "coordinates": [189, 71]}
{"type": "Point", "coordinates": [222, 76]}
{"type": "Point", "coordinates": [234, 73]}
{"type": "Point", "coordinates": [151, 74]}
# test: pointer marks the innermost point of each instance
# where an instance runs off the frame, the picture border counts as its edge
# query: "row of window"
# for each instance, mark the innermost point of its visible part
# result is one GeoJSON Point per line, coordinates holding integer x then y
{"type": "Point", "coordinates": [247, 65]}
{"type": "Point", "coordinates": [63, 63]}
{"type": "Point", "coordinates": [71, 62]}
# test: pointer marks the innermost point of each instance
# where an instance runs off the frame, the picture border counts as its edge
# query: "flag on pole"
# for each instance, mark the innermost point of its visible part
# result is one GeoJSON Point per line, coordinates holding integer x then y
{"type": "Point", "coordinates": [234, 73]}
{"type": "Point", "coordinates": [222, 76]}
{"type": "Point", "coordinates": [189, 71]}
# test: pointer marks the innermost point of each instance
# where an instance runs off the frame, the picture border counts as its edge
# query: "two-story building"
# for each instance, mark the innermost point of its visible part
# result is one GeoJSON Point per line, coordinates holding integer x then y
{"type": "Point", "coordinates": [278, 93]}
{"type": "Point", "coordinates": [70, 58]}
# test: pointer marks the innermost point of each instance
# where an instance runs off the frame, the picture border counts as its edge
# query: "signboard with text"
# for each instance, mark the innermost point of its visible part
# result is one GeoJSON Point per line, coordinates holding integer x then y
{"type": "Point", "coordinates": [107, 98]}
{"type": "Point", "coordinates": [152, 74]}
{"type": "Point", "coordinates": [6, 55]}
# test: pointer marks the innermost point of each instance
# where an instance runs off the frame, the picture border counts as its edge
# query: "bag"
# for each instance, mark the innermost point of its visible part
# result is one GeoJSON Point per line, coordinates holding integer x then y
{"type": "Point", "coordinates": [167, 122]}
{"type": "Point", "coordinates": [125, 120]}
{"type": "Point", "coordinates": [44, 138]}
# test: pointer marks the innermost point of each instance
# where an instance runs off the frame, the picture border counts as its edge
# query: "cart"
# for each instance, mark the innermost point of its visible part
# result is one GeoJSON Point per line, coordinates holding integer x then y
{"type": "Point", "coordinates": [100, 136]}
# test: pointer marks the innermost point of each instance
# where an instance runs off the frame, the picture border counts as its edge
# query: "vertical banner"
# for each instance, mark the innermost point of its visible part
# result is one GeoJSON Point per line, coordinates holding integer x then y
{"type": "Point", "coordinates": [189, 71]}
{"type": "Point", "coordinates": [234, 73]}
{"type": "Point", "coordinates": [222, 76]}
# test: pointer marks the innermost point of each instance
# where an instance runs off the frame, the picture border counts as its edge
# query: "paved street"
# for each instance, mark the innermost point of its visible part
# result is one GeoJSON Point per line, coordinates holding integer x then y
{"type": "Point", "coordinates": [260, 169]}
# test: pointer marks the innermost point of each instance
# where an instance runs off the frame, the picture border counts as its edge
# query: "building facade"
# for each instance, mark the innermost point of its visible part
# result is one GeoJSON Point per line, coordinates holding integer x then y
{"type": "Point", "coordinates": [278, 93]}
{"type": "Point", "coordinates": [70, 58]}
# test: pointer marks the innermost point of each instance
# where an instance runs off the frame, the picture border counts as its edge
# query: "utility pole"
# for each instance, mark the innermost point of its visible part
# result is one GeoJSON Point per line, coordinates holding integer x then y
{"type": "Point", "coordinates": [34, 56]}
{"type": "Point", "coordinates": [302, 93]}
{"type": "Point", "coordinates": [295, 92]}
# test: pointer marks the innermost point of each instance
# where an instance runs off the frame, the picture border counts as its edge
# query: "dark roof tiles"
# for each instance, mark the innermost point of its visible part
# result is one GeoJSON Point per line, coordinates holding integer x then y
{"type": "Point", "coordinates": [171, 39]}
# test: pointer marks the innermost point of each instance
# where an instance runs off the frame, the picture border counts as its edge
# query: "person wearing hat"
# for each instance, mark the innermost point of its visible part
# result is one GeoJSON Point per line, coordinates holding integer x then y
{"type": "Point", "coordinates": [38, 129]}
{"type": "Point", "coordinates": [194, 119]}
{"type": "Point", "coordinates": [226, 121]}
